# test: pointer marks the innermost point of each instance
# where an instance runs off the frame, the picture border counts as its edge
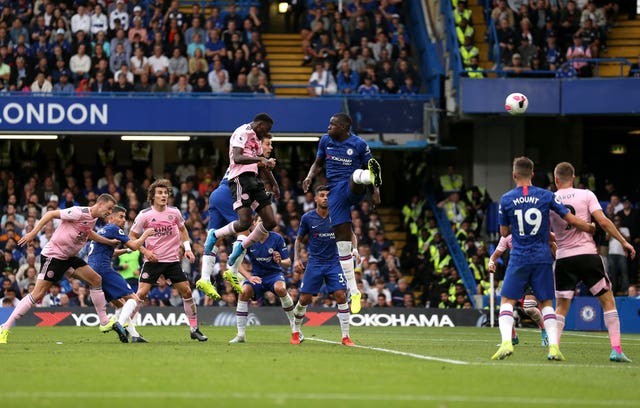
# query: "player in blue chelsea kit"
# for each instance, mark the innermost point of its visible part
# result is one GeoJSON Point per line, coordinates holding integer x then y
{"type": "Point", "coordinates": [524, 213]}
{"type": "Point", "coordinates": [344, 155]}
{"type": "Point", "coordinates": [267, 257]}
{"type": "Point", "coordinates": [323, 266]}
{"type": "Point", "coordinates": [116, 289]}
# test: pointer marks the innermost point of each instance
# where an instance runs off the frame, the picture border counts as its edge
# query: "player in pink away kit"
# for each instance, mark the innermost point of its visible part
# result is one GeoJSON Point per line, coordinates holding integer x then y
{"type": "Point", "coordinates": [59, 256]}
{"type": "Point", "coordinates": [162, 249]}
{"type": "Point", "coordinates": [577, 257]}
{"type": "Point", "coordinates": [529, 303]}
{"type": "Point", "coordinates": [247, 186]}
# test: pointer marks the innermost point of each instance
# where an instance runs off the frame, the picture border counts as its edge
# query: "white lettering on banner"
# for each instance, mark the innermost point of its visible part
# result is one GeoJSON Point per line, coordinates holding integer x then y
{"type": "Point", "coordinates": [149, 319]}
{"type": "Point", "coordinates": [86, 319]}
{"type": "Point", "coordinates": [384, 320]}
{"type": "Point", "coordinates": [77, 114]}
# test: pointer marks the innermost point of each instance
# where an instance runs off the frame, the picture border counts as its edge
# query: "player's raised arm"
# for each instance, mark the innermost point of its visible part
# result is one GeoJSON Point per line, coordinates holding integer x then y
{"type": "Point", "coordinates": [606, 224]}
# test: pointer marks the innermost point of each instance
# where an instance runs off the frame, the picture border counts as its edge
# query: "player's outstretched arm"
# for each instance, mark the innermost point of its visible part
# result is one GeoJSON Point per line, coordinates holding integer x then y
{"type": "Point", "coordinates": [48, 216]}
{"type": "Point", "coordinates": [94, 236]}
{"type": "Point", "coordinates": [315, 168]}
{"type": "Point", "coordinates": [579, 224]}
{"type": "Point", "coordinates": [135, 244]}
{"type": "Point", "coordinates": [606, 224]}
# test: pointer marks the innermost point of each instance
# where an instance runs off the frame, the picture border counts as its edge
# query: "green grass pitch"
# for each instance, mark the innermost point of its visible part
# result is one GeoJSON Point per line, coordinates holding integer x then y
{"type": "Point", "coordinates": [417, 367]}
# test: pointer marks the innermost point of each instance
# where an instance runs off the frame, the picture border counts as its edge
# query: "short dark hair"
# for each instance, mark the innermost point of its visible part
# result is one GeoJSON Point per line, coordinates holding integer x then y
{"type": "Point", "coordinates": [321, 188]}
{"type": "Point", "coordinates": [263, 117]}
{"type": "Point", "coordinates": [344, 119]}
{"type": "Point", "coordinates": [118, 209]}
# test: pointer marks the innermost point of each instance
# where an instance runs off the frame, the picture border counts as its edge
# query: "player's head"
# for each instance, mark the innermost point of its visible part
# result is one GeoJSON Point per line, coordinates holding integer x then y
{"type": "Point", "coordinates": [104, 205]}
{"type": "Point", "coordinates": [262, 124]}
{"type": "Point", "coordinates": [159, 192]}
{"type": "Point", "coordinates": [267, 146]}
{"type": "Point", "coordinates": [564, 173]}
{"type": "Point", "coordinates": [522, 168]}
{"type": "Point", "coordinates": [117, 216]}
{"type": "Point", "coordinates": [339, 125]}
{"type": "Point", "coordinates": [322, 197]}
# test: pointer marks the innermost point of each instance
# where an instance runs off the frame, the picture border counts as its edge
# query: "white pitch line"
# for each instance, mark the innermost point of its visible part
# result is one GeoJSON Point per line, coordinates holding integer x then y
{"type": "Point", "coordinates": [511, 363]}
{"type": "Point", "coordinates": [400, 353]}
{"type": "Point", "coordinates": [529, 400]}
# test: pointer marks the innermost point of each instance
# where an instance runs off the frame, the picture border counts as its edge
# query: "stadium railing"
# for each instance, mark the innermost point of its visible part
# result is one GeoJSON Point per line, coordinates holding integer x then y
{"type": "Point", "coordinates": [452, 45]}
{"type": "Point", "coordinates": [455, 250]}
{"type": "Point", "coordinates": [597, 62]}
{"type": "Point", "coordinates": [112, 94]}
{"type": "Point", "coordinates": [427, 52]}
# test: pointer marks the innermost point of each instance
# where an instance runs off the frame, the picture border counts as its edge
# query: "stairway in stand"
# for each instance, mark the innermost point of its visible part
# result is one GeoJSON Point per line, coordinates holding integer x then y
{"type": "Point", "coordinates": [477, 16]}
{"type": "Point", "coordinates": [623, 42]}
{"type": "Point", "coordinates": [285, 56]}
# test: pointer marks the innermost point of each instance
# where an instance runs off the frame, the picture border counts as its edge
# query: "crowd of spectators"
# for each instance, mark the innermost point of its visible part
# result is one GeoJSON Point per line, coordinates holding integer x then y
{"type": "Point", "coordinates": [362, 50]}
{"type": "Point", "coordinates": [33, 182]}
{"type": "Point", "coordinates": [541, 35]}
{"type": "Point", "coordinates": [130, 46]}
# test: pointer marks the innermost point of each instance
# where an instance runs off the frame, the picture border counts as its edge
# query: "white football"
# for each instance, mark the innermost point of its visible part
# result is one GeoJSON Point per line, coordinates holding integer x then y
{"type": "Point", "coordinates": [516, 103]}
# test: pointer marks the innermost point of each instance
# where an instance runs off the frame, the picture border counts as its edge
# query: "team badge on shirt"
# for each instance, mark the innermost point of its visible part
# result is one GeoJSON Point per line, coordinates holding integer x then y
{"type": "Point", "coordinates": [350, 152]}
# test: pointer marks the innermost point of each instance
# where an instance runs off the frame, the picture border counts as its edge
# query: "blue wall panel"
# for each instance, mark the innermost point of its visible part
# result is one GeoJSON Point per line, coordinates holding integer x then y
{"type": "Point", "coordinates": [488, 95]}
{"type": "Point", "coordinates": [603, 96]}
{"type": "Point", "coordinates": [161, 115]}
{"type": "Point", "coordinates": [387, 115]}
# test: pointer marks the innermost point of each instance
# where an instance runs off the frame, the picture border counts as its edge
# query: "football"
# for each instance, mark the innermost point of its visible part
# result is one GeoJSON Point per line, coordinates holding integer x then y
{"type": "Point", "coordinates": [516, 103]}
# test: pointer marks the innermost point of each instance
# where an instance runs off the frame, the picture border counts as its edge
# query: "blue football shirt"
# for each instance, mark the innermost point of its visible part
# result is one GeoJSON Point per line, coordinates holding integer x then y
{"type": "Point", "coordinates": [342, 158]}
{"type": "Point", "coordinates": [322, 242]}
{"type": "Point", "coordinates": [261, 255]}
{"type": "Point", "coordinates": [526, 211]}
{"type": "Point", "coordinates": [100, 254]}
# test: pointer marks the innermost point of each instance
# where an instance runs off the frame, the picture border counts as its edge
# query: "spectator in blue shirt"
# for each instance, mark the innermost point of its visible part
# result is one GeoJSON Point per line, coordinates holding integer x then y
{"type": "Point", "coordinates": [368, 87]}
{"type": "Point", "coordinates": [409, 88]}
{"type": "Point", "coordinates": [348, 79]}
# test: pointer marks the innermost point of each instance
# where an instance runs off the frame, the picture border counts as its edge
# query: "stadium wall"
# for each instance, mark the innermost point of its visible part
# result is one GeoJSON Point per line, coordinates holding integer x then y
{"type": "Point", "coordinates": [553, 96]}
{"type": "Point", "coordinates": [202, 115]}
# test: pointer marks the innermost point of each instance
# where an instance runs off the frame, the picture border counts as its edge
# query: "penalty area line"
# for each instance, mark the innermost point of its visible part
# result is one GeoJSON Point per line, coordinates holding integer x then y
{"type": "Point", "coordinates": [397, 352]}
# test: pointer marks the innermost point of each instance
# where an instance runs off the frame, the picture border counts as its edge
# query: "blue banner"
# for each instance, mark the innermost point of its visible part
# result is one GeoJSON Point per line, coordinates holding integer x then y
{"type": "Point", "coordinates": [553, 96]}
{"type": "Point", "coordinates": [602, 96]}
{"type": "Point", "coordinates": [487, 95]}
{"type": "Point", "coordinates": [586, 314]}
{"type": "Point", "coordinates": [124, 114]}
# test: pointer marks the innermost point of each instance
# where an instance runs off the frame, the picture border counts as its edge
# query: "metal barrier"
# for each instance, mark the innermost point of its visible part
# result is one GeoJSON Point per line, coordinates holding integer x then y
{"type": "Point", "coordinates": [504, 73]}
